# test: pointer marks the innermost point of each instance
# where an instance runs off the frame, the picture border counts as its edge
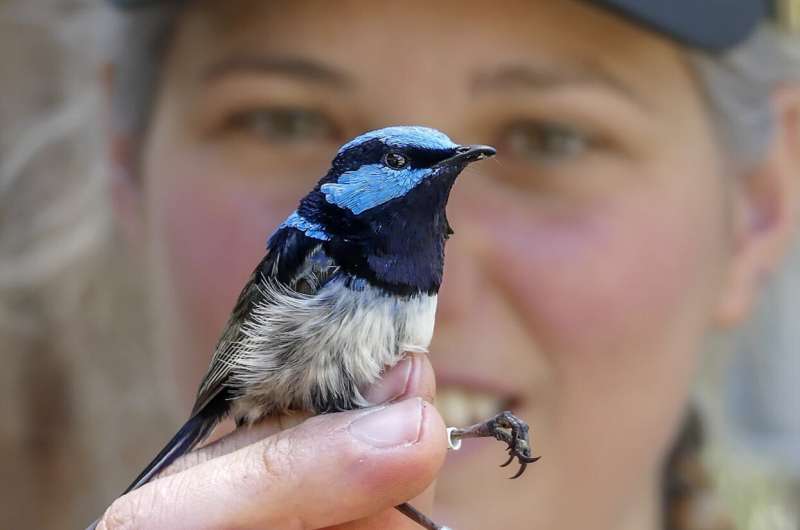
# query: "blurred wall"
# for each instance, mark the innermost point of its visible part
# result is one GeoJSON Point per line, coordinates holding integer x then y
{"type": "Point", "coordinates": [76, 425]}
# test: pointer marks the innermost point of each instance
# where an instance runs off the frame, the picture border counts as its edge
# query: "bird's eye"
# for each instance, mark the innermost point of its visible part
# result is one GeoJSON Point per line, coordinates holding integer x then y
{"type": "Point", "coordinates": [395, 160]}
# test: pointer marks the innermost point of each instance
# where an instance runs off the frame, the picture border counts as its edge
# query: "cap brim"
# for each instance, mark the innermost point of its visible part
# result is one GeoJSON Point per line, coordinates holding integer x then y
{"type": "Point", "coordinates": [712, 25]}
{"type": "Point", "coordinates": [134, 4]}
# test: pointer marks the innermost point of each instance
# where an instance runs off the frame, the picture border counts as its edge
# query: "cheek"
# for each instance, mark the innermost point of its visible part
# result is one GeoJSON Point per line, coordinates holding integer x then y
{"type": "Point", "coordinates": [618, 296]}
{"type": "Point", "coordinates": [208, 231]}
{"type": "Point", "coordinates": [593, 280]}
{"type": "Point", "coordinates": [213, 238]}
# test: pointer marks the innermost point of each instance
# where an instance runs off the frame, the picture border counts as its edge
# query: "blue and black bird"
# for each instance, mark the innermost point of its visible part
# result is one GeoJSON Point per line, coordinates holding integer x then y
{"type": "Point", "coordinates": [348, 285]}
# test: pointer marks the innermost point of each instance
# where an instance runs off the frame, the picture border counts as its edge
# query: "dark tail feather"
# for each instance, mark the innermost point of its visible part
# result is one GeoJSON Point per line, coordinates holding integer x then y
{"type": "Point", "coordinates": [192, 433]}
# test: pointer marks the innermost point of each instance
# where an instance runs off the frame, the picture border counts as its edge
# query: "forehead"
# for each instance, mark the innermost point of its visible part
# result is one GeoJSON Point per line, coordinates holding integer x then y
{"type": "Point", "coordinates": [417, 36]}
{"type": "Point", "coordinates": [433, 60]}
{"type": "Point", "coordinates": [404, 137]}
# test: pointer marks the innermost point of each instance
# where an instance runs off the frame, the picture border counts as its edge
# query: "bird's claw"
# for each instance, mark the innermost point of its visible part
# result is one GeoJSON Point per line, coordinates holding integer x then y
{"type": "Point", "coordinates": [509, 429]}
{"type": "Point", "coordinates": [504, 427]}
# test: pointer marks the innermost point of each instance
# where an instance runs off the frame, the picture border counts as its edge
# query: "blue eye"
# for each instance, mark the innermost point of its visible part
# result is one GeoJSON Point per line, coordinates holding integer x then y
{"type": "Point", "coordinates": [286, 124]}
{"type": "Point", "coordinates": [395, 160]}
{"type": "Point", "coordinates": [545, 142]}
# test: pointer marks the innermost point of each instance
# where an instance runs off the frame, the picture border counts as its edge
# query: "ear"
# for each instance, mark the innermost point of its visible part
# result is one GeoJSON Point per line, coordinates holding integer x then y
{"type": "Point", "coordinates": [766, 207]}
{"type": "Point", "coordinates": [126, 191]}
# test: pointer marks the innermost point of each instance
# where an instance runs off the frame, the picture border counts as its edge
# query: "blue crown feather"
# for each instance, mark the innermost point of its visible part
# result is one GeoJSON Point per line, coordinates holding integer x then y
{"type": "Point", "coordinates": [404, 136]}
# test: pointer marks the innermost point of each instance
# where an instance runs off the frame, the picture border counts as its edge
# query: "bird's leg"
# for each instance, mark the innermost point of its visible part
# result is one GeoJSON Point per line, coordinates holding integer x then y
{"type": "Point", "coordinates": [418, 517]}
{"type": "Point", "coordinates": [504, 427]}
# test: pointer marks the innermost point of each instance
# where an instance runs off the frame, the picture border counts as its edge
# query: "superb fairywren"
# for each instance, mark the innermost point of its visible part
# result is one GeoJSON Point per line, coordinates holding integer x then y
{"type": "Point", "coordinates": [347, 286]}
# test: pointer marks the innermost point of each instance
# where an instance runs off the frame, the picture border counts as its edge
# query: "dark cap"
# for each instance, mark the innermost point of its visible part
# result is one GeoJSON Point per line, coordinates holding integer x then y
{"type": "Point", "coordinates": [712, 25]}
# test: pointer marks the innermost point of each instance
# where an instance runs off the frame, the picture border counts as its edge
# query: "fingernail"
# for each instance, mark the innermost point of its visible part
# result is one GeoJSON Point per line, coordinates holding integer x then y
{"type": "Point", "coordinates": [394, 384]}
{"type": "Point", "coordinates": [391, 426]}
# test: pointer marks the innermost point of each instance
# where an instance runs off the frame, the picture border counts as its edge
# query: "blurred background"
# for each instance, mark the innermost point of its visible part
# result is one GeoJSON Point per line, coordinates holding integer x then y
{"type": "Point", "coordinates": [72, 324]}
{"type": "Point", "coordinates": [63, 279]}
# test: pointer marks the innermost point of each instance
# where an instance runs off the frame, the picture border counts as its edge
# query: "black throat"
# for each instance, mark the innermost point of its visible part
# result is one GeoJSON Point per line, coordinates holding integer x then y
{"type": "Point", "coordinates": [397, 246]}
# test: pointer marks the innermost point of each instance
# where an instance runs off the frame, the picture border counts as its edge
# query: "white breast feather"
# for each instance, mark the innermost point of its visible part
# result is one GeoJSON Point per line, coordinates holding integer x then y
{"type": "Point", "coordinates": [295, 343]}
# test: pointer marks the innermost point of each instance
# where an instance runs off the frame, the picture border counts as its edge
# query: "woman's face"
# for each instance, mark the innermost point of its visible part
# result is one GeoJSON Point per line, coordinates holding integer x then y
{"type": "Point", "coordinates": [586, 264]}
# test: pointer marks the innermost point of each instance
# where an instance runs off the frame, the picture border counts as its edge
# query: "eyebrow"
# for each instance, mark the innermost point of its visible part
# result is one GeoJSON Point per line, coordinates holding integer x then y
{"type": "Point", "coordinates": [298, 68]}
{"type": "Point", "coordinates": [546, 77]}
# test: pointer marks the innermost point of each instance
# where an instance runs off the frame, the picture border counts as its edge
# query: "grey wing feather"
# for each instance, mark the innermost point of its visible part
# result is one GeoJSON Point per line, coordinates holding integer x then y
{"type": "Point", "coordinates": [316, 270]}
{"type": "Point", "coordinates": [225, 351]}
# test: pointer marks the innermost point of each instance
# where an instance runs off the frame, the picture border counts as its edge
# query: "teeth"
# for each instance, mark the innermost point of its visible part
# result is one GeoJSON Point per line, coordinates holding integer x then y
{"type": "Point", "coordinates": [484, 407]}
{"type": "Point", "coordinates": [461, 408]}
{"type": "Point", "coordinates": [455, 407]}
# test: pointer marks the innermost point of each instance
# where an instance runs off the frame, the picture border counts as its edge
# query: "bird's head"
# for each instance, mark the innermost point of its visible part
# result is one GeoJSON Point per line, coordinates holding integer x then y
{"type": "Point", "coordinates": [381, 206]}
{"type": "Point", "coordinates": [390, 164]}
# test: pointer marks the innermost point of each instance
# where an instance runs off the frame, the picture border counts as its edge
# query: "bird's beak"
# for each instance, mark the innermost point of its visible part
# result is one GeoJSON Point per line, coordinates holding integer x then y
{"type": "Point", "coordinates": [467, 154]}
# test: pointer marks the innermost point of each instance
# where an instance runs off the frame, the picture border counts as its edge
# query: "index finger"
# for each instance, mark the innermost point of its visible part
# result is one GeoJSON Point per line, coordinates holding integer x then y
{"type": "Point", "coordinates": [412, 377]}
{"type": "Point", "coordinates": [329, 470]}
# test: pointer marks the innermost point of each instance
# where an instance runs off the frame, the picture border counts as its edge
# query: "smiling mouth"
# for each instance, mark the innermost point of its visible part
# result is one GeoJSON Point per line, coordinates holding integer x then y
{"type": "Point", "coordinates": [461, 406]}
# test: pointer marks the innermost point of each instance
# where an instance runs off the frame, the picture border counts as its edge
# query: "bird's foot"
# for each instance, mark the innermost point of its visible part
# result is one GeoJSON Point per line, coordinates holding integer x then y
{"type": "Point", "coordinates": [504, 427]}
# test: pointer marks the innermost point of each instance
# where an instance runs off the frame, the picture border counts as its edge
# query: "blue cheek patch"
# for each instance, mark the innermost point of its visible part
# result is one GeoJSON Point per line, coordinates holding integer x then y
{"type": "Point", "coordinates": [307, 227]}
{"type": "Point", "coordinates": [370, 186]}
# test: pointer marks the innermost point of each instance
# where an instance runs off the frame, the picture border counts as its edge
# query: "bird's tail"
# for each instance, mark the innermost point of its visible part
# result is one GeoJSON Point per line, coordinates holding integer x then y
{"type": "Point", "coordinates": [194, 431]}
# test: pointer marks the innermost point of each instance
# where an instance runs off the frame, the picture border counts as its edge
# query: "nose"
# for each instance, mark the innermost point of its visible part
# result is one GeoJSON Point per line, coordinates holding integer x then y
{"type": "Point", "coordinates": [464, 276]}
{"type": "Point", "coordinates": [460, 292]}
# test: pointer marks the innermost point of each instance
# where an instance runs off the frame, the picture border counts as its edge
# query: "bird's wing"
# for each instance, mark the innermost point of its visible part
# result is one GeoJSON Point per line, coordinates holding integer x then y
{"type": "Point", "coordinates": [295, 261]}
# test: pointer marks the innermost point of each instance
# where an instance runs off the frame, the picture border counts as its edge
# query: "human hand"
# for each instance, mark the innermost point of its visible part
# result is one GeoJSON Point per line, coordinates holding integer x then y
{"type": "Point", "coordinates": [346, 470]}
